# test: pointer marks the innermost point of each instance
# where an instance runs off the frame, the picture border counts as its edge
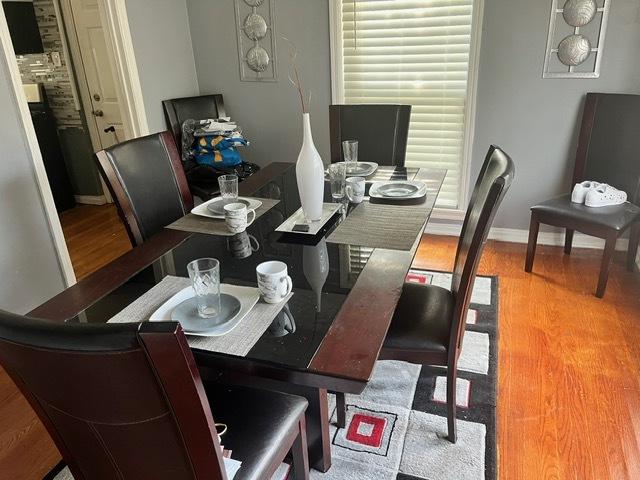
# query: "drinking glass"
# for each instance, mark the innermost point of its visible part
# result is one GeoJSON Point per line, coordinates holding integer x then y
{"type": "Point", "coordinates": [205, 279]}
{"type": "Point", "coordinates": [337, 177]}
{"type": "Point", "coordinates": [228, 186]}
{"type": "Point", "coordinates": [350, 150]}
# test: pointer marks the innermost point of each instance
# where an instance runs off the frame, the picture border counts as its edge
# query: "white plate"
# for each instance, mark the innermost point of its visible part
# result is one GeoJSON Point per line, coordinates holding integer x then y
{"type": "Point", "coordinates": [248, 297]}
{"type": "Point", "coordinates": [203, 211]}
{"type": "Point", "coordinates": [375, 190]}
{"type": "Point", "coordinates": [364, 169]}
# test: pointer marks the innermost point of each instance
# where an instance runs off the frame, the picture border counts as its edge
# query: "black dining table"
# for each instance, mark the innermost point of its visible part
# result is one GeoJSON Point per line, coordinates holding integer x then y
{"type": "Point", "coordinates": [334, 328]}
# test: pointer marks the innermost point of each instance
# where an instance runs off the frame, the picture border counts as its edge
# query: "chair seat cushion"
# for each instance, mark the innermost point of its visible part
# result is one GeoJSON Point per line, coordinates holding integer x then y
{"type": "Point", "coordinates": [616, 217]}
{"type": "Point", "coordinates": [258, 421]}
{"type": "Point", "coordinates": [422, 320]}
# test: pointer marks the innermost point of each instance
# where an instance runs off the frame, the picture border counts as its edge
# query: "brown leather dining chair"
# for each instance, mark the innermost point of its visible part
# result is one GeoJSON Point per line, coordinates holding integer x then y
{"type": "Point", "coordinates": [126, 401]}
{"type": "Point", "coordinates": [177, 110]}
{"type": "Point", "coordinates": [608, 152]}
{"type": "Point", "coordinates": [428, 324]}
{"type": "Point", "coordinates": [381, 131]}
{"type": "Point", "coordinates": [146, 179]}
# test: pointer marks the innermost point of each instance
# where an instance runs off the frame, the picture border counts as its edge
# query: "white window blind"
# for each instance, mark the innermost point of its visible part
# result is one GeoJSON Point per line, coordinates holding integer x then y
{"type": "Point", "coordinates": [414, 52]}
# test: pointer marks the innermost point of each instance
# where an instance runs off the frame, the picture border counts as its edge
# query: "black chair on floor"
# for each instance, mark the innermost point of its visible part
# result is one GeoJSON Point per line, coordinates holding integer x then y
{"type": "Point", "coordinates": [381, 131]}
{"type": "Point", "coordinates": [202, 180]}
{"type": "Point", "coordinates": [146, 179]}
{"type": "Point", "coordinates": [429, 322]}
{"type": "Point", "coordinates": [608, 152]}
{"type": "Point", "coordinates": [126, 401]}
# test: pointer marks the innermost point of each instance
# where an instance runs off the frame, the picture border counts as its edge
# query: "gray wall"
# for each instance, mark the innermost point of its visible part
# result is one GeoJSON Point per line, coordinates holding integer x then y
{"type": "Point", "coordinates": [269, 112]}
{"type": "Point", "coordinates": [162, 47]}
{"type": "Point", "coordinates": [28, 262]}
{"type": "Point", "coordinates": [536, 120]}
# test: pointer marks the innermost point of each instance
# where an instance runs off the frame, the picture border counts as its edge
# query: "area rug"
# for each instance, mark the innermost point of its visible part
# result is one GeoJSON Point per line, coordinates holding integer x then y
{"type": "Point", "coordinates": [396, 429]}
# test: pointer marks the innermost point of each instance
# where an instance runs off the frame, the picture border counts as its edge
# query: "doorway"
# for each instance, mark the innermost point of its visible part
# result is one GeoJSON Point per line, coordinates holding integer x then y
{"type": "Point", "coordinates": [66, 53]}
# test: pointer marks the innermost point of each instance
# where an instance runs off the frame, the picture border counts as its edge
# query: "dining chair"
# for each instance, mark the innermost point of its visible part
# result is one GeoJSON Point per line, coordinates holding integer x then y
{"type": "Point", "coordinates": [381, 132]}
{"type": "Point", "coordinates": [146, 179]}
{"type": "Point", "coordinates": [608, 152]}
{"type": "Point", "coordinates": [177, 110]}
{"type": "Point", "coordinates": [126, 401]}
{"type": "Point", "coordinates": [429, 321]}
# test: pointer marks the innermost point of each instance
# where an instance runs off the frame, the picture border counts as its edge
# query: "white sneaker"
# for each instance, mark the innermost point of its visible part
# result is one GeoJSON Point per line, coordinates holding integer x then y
{"type": "Point", "coordinates": [580, 190]}
{"type": "Point", "coordinates": [605, 195]}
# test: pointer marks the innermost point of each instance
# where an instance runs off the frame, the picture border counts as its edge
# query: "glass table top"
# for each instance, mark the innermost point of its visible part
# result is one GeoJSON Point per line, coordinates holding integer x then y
{"type": "Point", "coordinates": [322, 273]}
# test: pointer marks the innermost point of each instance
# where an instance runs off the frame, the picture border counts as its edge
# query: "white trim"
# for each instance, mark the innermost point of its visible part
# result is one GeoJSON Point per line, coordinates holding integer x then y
{"type": "Point", "coordinates": [31, 142]}
{"type": "Point", "coordinates": [515, 235]}
{"type": "Point", "coordinates": [91, 199]}
{"type": "Point", "coordinates": [335, 33]}
{"type": "Point", "coordinates": [448, 214]}
{"type": "Point", "coordinates": [114, 16]}
{"type": "Point", "coordinates": [470, 106]}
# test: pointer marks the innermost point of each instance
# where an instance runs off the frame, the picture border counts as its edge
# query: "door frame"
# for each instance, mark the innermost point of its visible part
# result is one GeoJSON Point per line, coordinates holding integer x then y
{"type": "Point", "coordinates": [114, 15]}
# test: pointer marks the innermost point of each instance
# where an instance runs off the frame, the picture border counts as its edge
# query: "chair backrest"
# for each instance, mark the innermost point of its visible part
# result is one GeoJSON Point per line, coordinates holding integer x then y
{"type": "Point", "coordinates": [119, 400]}
{"type": "Point", "coordinates": [381, 131]}
{"type": "Point", "coordinates": [609, 143]}
{"type": "Point", "coordinates": [493, 182]}
{"type": "Point", "coordinates": [147, 181]}
{"type": "Point", "coordinates": [177, 110]}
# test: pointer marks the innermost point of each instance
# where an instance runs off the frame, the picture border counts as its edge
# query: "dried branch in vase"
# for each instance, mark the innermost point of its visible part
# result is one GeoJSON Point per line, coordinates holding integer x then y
{"type": "Point", "coordinates": [294, 76]}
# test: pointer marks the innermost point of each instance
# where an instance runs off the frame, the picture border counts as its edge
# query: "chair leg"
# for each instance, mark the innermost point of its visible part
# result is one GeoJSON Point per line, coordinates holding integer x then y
{"type": "Point", "coordinates": [299, 453]}
{"type": "Point", "coordinates": [568, 241]}
{"type": "Point", "coordinates": [452, 376]}
{"type": "Point", "coordinates": [534, 226]}
{"type": "Point", "coordinates": [607, 256]}
{"type": "Point", "coordinates": [634, 241]}
{"type": "Point", "coordinates": [341, 409]}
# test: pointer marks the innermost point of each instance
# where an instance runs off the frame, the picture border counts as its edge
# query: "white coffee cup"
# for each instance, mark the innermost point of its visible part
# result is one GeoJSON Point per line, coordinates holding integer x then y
{"type": "Point", "coordinates": [355, 189]}
{"type": "Point", "coordinates": [273, 282]}
{"type": "Point", "coordinates": [236, 216]}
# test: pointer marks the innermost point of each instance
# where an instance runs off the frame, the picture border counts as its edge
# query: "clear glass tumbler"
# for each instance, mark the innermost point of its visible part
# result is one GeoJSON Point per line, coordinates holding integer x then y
{"type": "Point", "coordinates": [228, 186]}
{"type": "Point", "coordinates": [205, 279]}
{"type": "Point", "coordinates": [337, 178]}
{"type": "Point", "coordinates": [350, 150]}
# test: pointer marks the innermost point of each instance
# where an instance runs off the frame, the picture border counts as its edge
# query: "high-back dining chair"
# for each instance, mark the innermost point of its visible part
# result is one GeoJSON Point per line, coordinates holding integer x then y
{"type": "Point", "coordinates": [126, 401]}
{"type": "Point", "coordinates": [429, 321]}
{"type": "Point", "coordinates": [177, 110]}
{"type": "Point", "coordinates": [381, 131]}
{"type": "Point", "coordinates": [147, 181]}
{"type": "Point", "coordinates": [608, 152]}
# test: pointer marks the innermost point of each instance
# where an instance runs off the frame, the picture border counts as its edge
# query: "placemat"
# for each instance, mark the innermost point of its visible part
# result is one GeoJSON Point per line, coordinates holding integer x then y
{"type": "Point", "coordinates": [213, 226]}
{"type": "Point", "coordinates": [392, 173]}
{"type": "Point", "coordinates": [395, 227]}
{"type": "Point", "coordinates": [237, 342]}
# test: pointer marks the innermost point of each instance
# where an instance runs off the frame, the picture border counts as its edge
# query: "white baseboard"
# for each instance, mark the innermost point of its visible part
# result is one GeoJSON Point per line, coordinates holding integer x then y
{"type": "Point", "coordinates": [515, 235]}
{"type": "Point", "coordinates": [91, 199]}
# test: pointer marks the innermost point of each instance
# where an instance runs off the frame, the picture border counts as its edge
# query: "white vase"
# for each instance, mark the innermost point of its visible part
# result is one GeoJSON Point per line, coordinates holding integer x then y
{"type": "Point", "coordinates": [315, 266]}
{"type": "Point", "coordinates": [310, 175]}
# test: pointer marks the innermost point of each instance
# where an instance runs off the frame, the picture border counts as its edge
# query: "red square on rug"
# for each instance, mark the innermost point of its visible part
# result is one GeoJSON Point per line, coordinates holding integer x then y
{"type": "Point", "coordinates": [414, 277]}
{"type": "Point", "coordinates": [366, 430]}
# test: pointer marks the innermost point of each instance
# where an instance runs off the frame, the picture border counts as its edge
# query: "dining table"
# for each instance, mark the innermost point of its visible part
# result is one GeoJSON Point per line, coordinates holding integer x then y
{"type": "Point", "coordinates": [327, 336]}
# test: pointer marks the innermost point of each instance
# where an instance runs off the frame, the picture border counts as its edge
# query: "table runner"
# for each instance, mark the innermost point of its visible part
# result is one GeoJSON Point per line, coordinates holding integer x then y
{"type": "Point", "coordinates": [394, 227]}
{"type": "Point", "coordinates": [213, 226]}
{"type": "Point", "coordinates": [384, 173]}
{"type": "Point", "coordinates": [237, 342]}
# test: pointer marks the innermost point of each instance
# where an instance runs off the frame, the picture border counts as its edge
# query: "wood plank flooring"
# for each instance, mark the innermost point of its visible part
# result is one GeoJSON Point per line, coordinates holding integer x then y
{"type": "Point", "coordinates": [569, 368]}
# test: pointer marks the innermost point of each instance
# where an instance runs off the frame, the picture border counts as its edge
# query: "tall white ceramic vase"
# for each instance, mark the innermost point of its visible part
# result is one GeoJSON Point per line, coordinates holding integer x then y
{"type": "Point", "coordinates": [310, 174]}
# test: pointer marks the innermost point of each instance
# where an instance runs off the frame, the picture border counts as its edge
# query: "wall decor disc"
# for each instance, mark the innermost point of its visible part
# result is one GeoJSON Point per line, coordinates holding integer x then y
{"type": "Point", "coordinates": [574, 50]}
{"type": "Point", "coordinates": [257, 59]}
{"type": "Point", "coordinates": [578, 13]}
{"type": "Point", "coordinates": [255, 26]}
{"type": "Point", "coordinates": [253, 3]}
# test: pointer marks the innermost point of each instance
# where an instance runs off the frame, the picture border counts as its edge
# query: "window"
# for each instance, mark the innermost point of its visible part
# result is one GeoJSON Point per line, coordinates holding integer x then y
{"type": "Point", "coordinates": [413, 52]}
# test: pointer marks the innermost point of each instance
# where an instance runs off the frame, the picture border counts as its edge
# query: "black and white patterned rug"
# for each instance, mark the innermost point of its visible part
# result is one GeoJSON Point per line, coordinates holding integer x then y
{"type": "Point", "coordinates": [396, 429]}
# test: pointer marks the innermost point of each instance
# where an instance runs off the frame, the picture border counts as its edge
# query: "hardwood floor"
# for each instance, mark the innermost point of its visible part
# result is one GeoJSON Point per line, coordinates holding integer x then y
{"type": "Point", "coordinates": [568, 390]}
{"type": "Point", "coordinates": [569, 363]}
{"type": "Point", "coordinates": [95, 236]}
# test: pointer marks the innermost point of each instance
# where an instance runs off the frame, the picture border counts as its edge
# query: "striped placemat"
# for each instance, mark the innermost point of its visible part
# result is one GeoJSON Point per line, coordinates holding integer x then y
{"type": "Point", "coordinates": [237, 342]}
{"type": "Point", "coordinates": [395, 227]}
{"type": "Point", "coordinates": [214, 226]}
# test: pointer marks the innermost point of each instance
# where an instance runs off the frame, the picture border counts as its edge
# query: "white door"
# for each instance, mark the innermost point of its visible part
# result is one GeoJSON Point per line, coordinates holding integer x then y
{"type": "Point", "coordinates": [105, 112]}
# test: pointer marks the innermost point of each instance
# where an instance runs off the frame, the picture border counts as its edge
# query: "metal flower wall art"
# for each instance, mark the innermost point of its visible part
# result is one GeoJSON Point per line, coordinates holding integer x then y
{"type": "Point", "coordinates": [255, 27]}
{"type": "Point", "coordinates": [576, 38]}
